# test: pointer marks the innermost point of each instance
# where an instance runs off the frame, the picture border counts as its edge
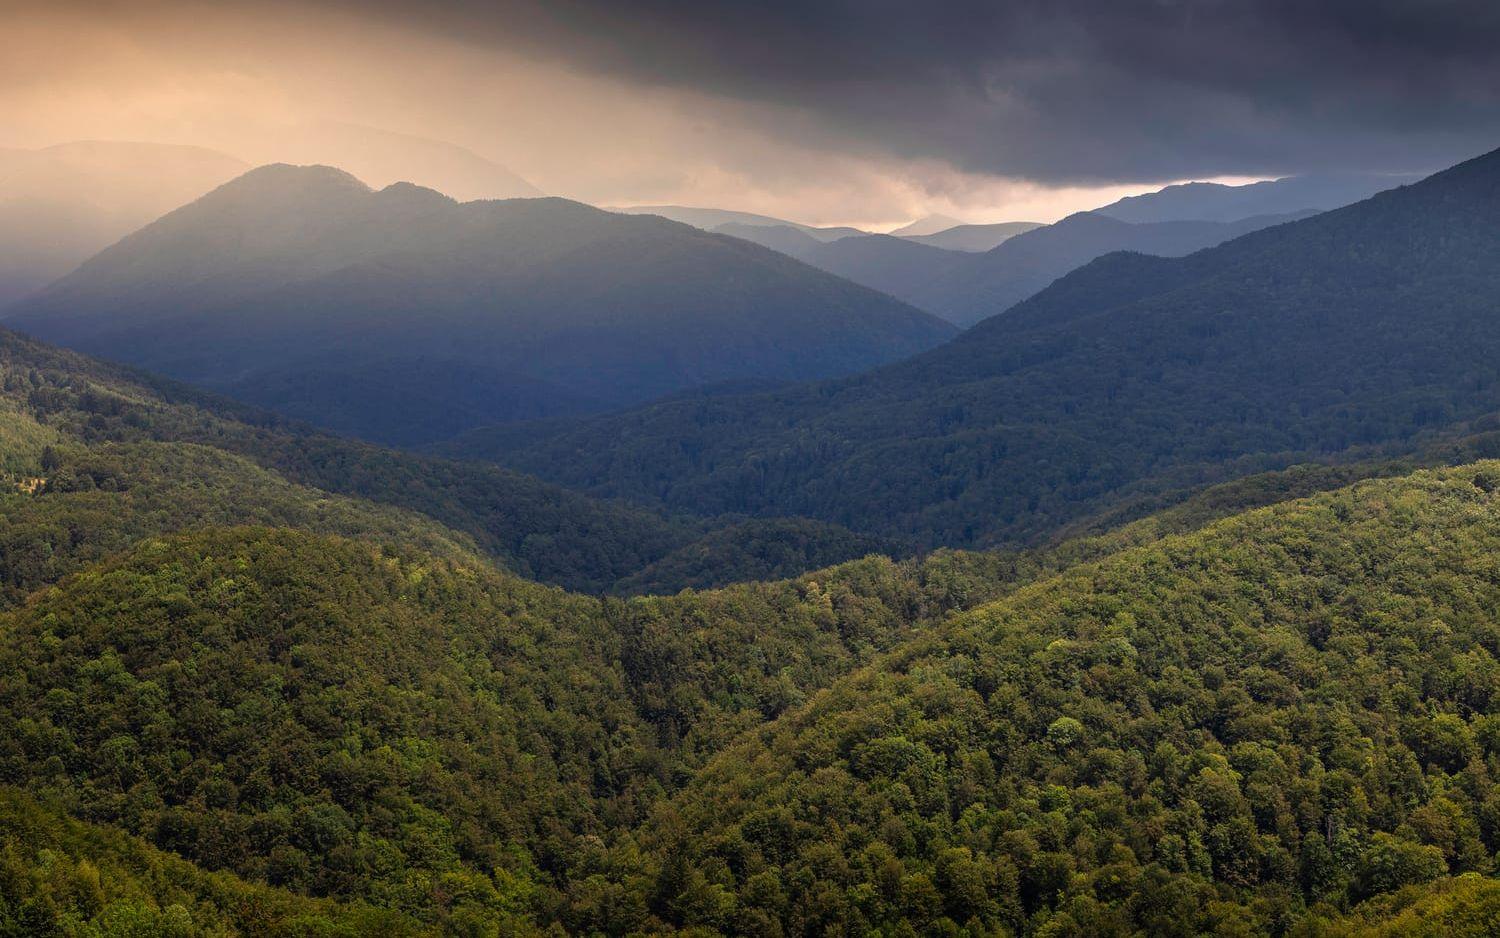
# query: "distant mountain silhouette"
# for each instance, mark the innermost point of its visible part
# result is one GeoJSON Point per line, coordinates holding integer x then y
{"type": "Point", "coordinates": [964, 287]}
{"type": "Point", "coordinates": [382, 157]}
{"type": "Point", "coordinates": [976, 238]}
{"type": "Point", "coordinates": [899, 266]}
{"type": "Point", "coordinates": [928, 225]}
{"type": "Point", "coordinates": [711, 218]}
{"type": "Point", "coordinates": [287, 275]}
{"type": "Point", "coordinates": [993, 282]}
{"type": "Point", "coordinates": [1209, 201]}
{"type": "Point", "coordinates": [60, 205]}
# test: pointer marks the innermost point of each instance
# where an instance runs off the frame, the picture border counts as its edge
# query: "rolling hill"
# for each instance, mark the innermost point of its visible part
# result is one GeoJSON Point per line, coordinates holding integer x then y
{"type": "Point", "coordinates": [1364, 327]}
{"type": "Point", "coordinates": [122, 456]}
{"type": "Point", "coordinates": [233, 719]}
{"type": "Point", "coordinates": [1262, 723]}
{"type": "Point", "coordinates": [274, 282]}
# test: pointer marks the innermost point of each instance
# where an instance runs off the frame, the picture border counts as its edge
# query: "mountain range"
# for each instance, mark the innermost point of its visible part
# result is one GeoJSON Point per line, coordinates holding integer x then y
{"type": "Point", "coordinates": [1211, 201]}
{"type": "Point", "coordinates": [406, 316]}
{"type": "Point", "coordinates": [710, 218]}
{"type": "Point", "coordinates": [1351, 330]}
{"type": "Point", "coordinates": [966, 287]}
{"type": "Point", "coordinates": [977, 238]}
{"type": "Point", "coordinates": [1228, 661]}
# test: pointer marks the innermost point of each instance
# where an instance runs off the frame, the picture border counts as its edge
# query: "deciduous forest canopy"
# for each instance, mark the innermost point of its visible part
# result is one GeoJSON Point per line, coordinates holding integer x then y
{"type": "Point", "coordinates": [973, 470]}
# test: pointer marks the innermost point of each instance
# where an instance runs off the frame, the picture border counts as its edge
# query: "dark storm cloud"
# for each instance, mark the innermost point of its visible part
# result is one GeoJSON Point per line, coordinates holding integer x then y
{"type": "Point", "coordinates": [1066, 91]}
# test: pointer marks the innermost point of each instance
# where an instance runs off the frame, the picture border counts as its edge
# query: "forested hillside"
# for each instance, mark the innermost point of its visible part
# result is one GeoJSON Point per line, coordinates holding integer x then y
{"type": "Point", "coordinates": [404, 316]}
{"type": "Point", "coordinates": [1369, 327]}
{"type": "Point", "coordinates": [418, 736]}
{"type": "Point", "coordinates": [94, 440]}
{"type": "Point", "coordinates": [1245, 730]}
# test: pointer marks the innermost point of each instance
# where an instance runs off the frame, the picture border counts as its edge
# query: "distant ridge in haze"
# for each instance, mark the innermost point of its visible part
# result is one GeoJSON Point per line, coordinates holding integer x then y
{"type": "Point", "coordinates": [928, 225]}
{"type": "Point", "coordinates": [383, 157]}
{"type": "Point", "coordinates": [711, 218]}
{"type": "Point", "coordinates": [287, 275]}
{"type": "Point", "coordinates": [977, 238]}
{"type": "Point", "coordinates": [964, 287]}
{"type": "Point", "coordinates": [993, 282]}
{"type": "Point", "coordinates": [1210, 201]}
{"type": "Point", "coordinates": [61, 204]}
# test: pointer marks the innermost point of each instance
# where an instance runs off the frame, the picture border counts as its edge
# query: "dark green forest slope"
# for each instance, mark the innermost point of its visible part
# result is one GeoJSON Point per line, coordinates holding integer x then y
{"type": "Point", "coordinates": [1362, 328]}
{"type": "Point", "coordinates": [422, 734]}
{"type": "Point", "coordinates": [93, 438]}
{"type": "Point", "coordinates": [59, 876]}
{"type": "Point", "coordinates": [246, 704]}
{"type": "Point", "coordinates": [1242, 730]}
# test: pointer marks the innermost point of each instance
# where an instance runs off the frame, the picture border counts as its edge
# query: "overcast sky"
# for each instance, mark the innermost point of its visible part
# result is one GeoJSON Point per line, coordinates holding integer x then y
{"type": "Point", "coordinates": [868, 112]}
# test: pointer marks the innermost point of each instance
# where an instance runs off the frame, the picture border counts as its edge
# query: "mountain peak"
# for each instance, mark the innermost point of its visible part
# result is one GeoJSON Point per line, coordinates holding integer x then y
{"type": "Point", "coordinates": [288, 175]}
{"type": "Point", "coordinates": [927, 225]}
{"type": "Point", "coordinates": [413, 195]}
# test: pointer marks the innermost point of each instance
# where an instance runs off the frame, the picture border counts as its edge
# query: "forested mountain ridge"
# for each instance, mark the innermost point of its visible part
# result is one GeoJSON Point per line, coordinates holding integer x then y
{"type": "Point", "coordinates": [1365, 327]}
{"type": "Point", "coordinates": [96, 439]}
{"type": "Point", "coordinates": [356, 674]}
{"type": "Point", "coordinates": [1250, 728]}
{"type": "Point", "coordinates": [266, 285]}
{"type": "Point", "coordinates": [356, 705]}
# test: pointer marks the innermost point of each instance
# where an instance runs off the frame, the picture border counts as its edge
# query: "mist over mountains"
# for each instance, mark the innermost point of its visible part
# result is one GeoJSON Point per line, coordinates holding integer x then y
{"type": "Point", "coordinates": [419, 565]}
{"type": "Point", "coordinates": [62, 204]}
{"type": "Point", "coordinates": [966, 287]}
{"type": "Point", "coordinates": [293, 286]}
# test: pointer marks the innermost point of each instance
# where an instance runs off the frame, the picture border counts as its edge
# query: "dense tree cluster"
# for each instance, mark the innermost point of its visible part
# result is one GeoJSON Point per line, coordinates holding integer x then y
{"type": "Point", "coordinates": [1257, 727]}
{"type": "Point", "coordinates": [1261, 724]}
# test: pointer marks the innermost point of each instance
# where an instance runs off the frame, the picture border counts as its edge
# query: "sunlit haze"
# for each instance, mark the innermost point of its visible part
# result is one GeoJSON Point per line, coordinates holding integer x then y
{"type": "Point", "coordinates": [548, 95]}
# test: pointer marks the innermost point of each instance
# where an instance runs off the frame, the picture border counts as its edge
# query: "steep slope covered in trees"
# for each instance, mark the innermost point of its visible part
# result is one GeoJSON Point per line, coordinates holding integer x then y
{"type": "Point", "coordinates": [109, 456]}
{"type": "Point", "coordinates": [1246, 728]}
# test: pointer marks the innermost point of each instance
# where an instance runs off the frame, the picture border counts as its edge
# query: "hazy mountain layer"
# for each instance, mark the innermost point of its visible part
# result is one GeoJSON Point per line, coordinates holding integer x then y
{"type": "Point", "coordinates": [710, 218]}
{"type": "Point", "coordinates": [977, 238]}
{"type": "Point", "coordinates": [965, 287]}
{"type": "Point", "coordinates": [1211, 201]}
{"type": "Point", "coordinates": [62, 204]}
{"type": "Point", "coordinates": [287, 276]}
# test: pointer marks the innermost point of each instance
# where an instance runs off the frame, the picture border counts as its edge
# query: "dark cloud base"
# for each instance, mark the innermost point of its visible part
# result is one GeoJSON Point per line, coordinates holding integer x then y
{"type": "Point", "coordinates": [1059, 91]}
